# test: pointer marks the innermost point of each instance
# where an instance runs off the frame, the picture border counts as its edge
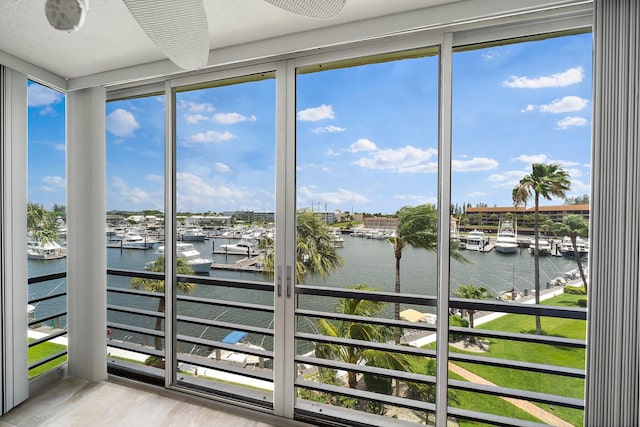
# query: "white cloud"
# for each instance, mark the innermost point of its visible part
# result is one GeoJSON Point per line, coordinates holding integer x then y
{"type": "Point", "coordinates": [211, 136]}
{"type": "Point", "coordinates": [329, 129]}
{"type": "Point", "coordinates": [152, 177]}
{"type": "Point", "coordinates": [121, 194]}
{"type": "Point", "coordinates": [407, 159]}
{"type": "Point", "coordinates": [362, 144]}
{"type": "Point", "coordinates": [579, 188]}
{"type": "Point", "coordinates": [415, 199]}
{"type": "Point", "coordinates": [195, 194]}
{"type": "Point", "coordinates": [59, 147]}
{"type": "Point", "coordinates": [571, 121]}
{"type": "Point", "coordinates": [121, 123]}
{"type": "Point", "coordinates": [232, 118]}
{"type": "Point", "coordinates": [38, 96]}
{"type": "Point", "coordinates": [316, 113]}
{"type": "Point", "coordinates": [306, 194]}
{"type": "Point", "coordinates": [565, 78]}
{"type": "Point", "coordinates": [195, 118]}
{"type": "Point", "coordinates": [563, 105]}
{"type": "Point", "coordinates": [48, 111]}
{"type": "Point", "coordinates": [477, 194]}
{"type": "Point", "coordinates": [507, 179]}
{"type": "Point", "coordinates": [474, 165]}
{"type": "Point", "coordinates": [490, 54]}
{"type": "Point", "coordinates": [53, 183]}
{"type": "Point", "coordinates": [221, 167]}
{"type": "Point", "coordinates": [325, 169]}
{"type": "Point", "coordinates": [196, 107]}
{"type": "Point", "coordinates": [332, 153]}
{"type": "Point", "coordinates": [543, 158]}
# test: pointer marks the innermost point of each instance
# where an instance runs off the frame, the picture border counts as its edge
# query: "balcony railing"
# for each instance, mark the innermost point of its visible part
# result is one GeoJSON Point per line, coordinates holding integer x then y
{"type": "Point", "coordinates": [204, 321]}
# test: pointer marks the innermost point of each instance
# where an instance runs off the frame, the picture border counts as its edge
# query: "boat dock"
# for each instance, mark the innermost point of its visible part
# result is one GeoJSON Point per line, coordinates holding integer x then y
{"type": "Point", "coordinates": [246, 264]}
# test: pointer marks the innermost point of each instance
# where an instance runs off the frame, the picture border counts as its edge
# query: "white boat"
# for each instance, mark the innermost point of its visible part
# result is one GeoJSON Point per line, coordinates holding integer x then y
{"type": "Point", "coordinates": [238, 339]}
{"type": "Point", "coordinates": [136, 241]}
{"type": "Point", "coordinates": [475, 241]}
{"type": "Point", "coordinates": [544, 245]}
{"type": "Point", "coordinates": [45, 251]}
{"type": "Point", "coordinates": [566, 247]}
{"type": "Point", "coordinates": [243, 247]}
{"type": "Point", "coordinates": [337, 239]}
{"type": "Point", "coordinates": [191, 234]}
{"type": "Point", "coordinates": [191, 254]}
{"type": "Point", "coordinates": [507, 239]}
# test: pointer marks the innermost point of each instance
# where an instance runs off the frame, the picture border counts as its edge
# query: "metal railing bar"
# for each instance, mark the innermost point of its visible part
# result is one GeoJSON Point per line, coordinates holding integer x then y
{"type": "Point", "coordinates": [47, 338]}
{"type": "Point", "coordinates": [229, 283]}
{"type": "Point", "coordinates": [47, 359]}
{"type": "Point", "coordinates": [214, 345]}
{"type": "Point", "coordinates": [46, 277]}
{"type": "Point", "coordinates": [131, 291]}
{"type": "Point", "coordinates": [496, 420]}
{"type": "Point", "coordinates": [392, 348]}
{"type": "Point", "coordinates": [136, 329]}
{"type": "Point", "coordinates": [515, 364]}
{"type": "Point", "coordinates": [131, 310]}
{"type": "Point", "coordinates": [49, 317]}
{"type": "Point", "coordinates": [226, 325]}
{"type": "Point", "coordinates": [413, 299]}
{"type": "Point", "coordinates": [223, 303]}
{"type": "Point", "coordinates": [519, 336]}
{"type": "Point", "coordinates": [549, 399]}
{"type": "Point", "coordinates": [518, 308]}
{"type": "Point", "coordinates": [225, 367]}
{"type": "Point", "coordinates": [135, 348]}
{"type": "Point", "coordinates": [362, 394]}
{"type": "Point", "coordinates": [369, 320]}
{"type": "Point", "coordinates": [383, 372]}
{"type": "Point", "coordinates": [47, 297]}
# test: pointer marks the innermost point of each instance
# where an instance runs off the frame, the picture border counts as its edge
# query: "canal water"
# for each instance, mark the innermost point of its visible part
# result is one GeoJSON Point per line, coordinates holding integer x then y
{"type": "Point", "coordinates": [366, 261]}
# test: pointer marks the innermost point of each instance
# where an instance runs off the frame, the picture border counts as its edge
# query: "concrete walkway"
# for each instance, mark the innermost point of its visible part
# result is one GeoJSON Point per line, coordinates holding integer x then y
{"type": "Point", "coordinates": [536, 411]}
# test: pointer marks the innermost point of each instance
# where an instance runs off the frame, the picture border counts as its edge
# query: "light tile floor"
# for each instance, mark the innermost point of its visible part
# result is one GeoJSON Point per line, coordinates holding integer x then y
{"type": "Point", "coordinates": [72, 402]}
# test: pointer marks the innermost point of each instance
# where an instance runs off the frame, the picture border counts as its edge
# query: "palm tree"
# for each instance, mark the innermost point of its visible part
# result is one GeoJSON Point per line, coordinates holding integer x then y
{"type": "Point", "coordinates": [40, 224]}
{"type": "Point", "coordinates": [315, 250]}
{"type": "Point", "coordinates": [154, 285]}
{"type": "Point", "coordinates": [574, 226]}
{"type": "Point", "coordinates": [418, 227]}
{"type": "Point", "coordinates": [358, 331]}
{"type": "Point", "coordinates": [472, 292]}
{"type": "Point", "coordinates": [546, 180]}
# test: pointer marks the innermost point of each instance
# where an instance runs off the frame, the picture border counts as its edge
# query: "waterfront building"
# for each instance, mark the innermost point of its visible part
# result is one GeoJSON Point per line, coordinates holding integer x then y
{"type": "Point", "coordinates": [97, 66]}
{"type": "Point", "coordinates": [490, 216]}
{"type": "Point", "coordinates": [381, 223]}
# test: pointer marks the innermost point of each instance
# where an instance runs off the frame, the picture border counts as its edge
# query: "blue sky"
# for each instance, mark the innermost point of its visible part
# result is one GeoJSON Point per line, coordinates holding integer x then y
{"type": "Point", "coordinates": [366, 135]}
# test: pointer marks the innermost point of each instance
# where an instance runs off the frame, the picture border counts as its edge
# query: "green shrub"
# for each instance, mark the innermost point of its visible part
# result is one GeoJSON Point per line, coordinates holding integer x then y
{"type": "Point", "coordinates": [582, 302]}
{"type": "Point", "coordinates": [457, 321]}
{"type": "Point", "coordinates": [377, 383]}
{"type": "Point", "coordinates": [575, 290]}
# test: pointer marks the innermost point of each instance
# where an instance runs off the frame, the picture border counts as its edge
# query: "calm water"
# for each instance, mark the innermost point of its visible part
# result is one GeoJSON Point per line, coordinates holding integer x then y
{"type": "Point", "coordinates": [366, 261]}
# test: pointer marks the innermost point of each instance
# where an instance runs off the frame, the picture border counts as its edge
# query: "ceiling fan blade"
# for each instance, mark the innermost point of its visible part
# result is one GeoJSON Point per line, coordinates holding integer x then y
{"type": "Point", "coordinates": [320, 9]}
{"type": "Point", "coordinates": [178, 29]}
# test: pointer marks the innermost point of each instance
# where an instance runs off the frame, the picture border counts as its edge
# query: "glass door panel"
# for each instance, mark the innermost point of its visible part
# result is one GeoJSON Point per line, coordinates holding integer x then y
{"type": "Point", "coordinates": [367, 234]}
{"type": "Point", "coordinates": [225, 195]}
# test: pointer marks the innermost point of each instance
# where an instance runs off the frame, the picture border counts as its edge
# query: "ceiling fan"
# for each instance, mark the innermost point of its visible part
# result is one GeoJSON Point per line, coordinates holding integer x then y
{"type": "Point", "coordinates": [178, 28]}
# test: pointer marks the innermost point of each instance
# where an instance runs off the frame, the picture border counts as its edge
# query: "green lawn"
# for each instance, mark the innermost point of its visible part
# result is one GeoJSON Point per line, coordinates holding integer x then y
{"type": "Point", "coordinates": [537, 353]}
{"type": "Point", "coordinates": [42, 351]}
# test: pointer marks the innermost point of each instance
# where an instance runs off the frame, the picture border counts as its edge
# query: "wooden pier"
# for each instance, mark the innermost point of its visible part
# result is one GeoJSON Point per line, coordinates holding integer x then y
{"type": "Point", "coordinates": [246, 264]}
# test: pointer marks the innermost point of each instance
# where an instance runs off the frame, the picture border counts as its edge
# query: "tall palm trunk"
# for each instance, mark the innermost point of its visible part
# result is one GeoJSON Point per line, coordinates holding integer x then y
{"type": "Point", "coordinates": [398, 254]}
{"type": "Point", "coordinates": [158, 340]}
{"type": "Point", "coordinates": [574, 243]}
{"type": "Point", "coordinates": [536, 261]}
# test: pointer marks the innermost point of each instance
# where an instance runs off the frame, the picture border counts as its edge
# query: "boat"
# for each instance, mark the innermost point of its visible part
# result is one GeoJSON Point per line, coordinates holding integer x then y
{"type": "Point", "coordinates": [337, 239]}
{"type": "Point", "coordinates": [566, 247]}
{"type": "Point", "coordinates": [243, 247]}
{"type": "Point", "coordinates": [507, 239]}
{"type": "Point", "coordinates": [136, 241]}
{"type": "Point", "coordinates": [190, 253]}
{"type": "Point", "coordinates": [238, 338]}
{"type": "Point", "coordinates": [475, 241]}
{"type": "Point", "coordinates": [45, 251]}
{"type": "Point", "coordinates": [191, 234]}
{"type": "Point", "coordinates": [544, 245]}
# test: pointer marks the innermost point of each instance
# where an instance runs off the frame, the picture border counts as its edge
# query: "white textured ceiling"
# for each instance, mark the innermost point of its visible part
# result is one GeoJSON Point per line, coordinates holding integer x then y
{"type": "Point", "coordinates": [111, 39]}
